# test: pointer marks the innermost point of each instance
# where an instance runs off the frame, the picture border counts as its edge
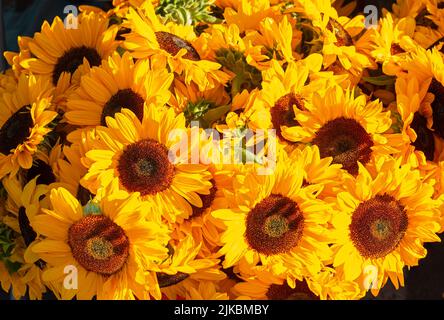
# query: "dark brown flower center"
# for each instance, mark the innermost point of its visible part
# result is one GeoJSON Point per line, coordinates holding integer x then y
{"type": "Point", "coordinates": [73, 58]}
{"type": "Point", "coordinates": [343, 38]}
{"type": "Point", "coordinates": [282, 113]}
{"type": "Point", "coordinates": [15, 130]}
{"type": "Point", "coordinates": [274, 225]}
{"type": "Point", "coordinates": [378, 226]}
{"type": "Point", "coordinates": [285, 292]}
{"type": "Point", "coordinates": [125, 98]}
{"type": "Point", "coordinates": [346, 141]}
{"type": "Point", "coordinates": [167, 280]}
{"type": "Point", "coordinates": [98, 244]}
{"type": "Point", "coordinates": [44, 172]}
{"type": "Point", "coordinates": [207, 201]}
{"type": "Point", "coordinates": [173, 44]}
{"type": "Point", "coordinates": [438, 107]}
{"type": "Point", "coordinates": [425, 141]}
{"type": "Point", "coordinates": [144, 167]}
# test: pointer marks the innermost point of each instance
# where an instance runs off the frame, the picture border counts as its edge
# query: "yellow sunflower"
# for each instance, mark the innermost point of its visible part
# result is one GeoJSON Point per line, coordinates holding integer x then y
{"type": "Point", "coordinates": [427, 66]}
{"type": "Point", "coordinates": [10, 280]}
{"type": "Point", "coordinates": [206, 106]}
{"type": "Point", "coordinates": [109, 243]}
{"type": "Point", "coordinates": [14, 58]}
{"type": "Point", "coordinates": [184, 270]}
{"type": "Point", "coordinates": [340, 36]}
{"type": "Point", "coordinates": [11, 257]}
{"type": "Point", "coordinates": [8, 82]}
{"type": "Point", "coordinates": [24, 122]}
{"type": "Point", "coordinates": [206, 290]}
{"type": "Point", "coordinates": [407, 8]}
{"type": "Point", "coordinates": [385, 216]}
{"type": "Point", "coordinates": [201, 225]}
{"type": "Point", "coordinates": [277, 38]}
{"type": "Point", "coordinates": [65, 54]}
{"type": "Point", "coordinates": [430, 24]}
{"type": "Point", "coordinates": [325, 285]}
{"type": "Point", "coordinates": [70, 171]}
{"type": "Point", "coordinates": [392, 43]}
{"type": "Point", "coordinates": [284, 92]}
{"type": "Point", "coordinates": [419, 142]}
{"type": "Point", "coordinates": [23, 204]}
{"type": "Point", "coordinates": [118, 83]}
{"type": "Point", "coordinates": [347, 128]}
{"type": "Point", "coordinates": [170, 44]}
{"type": "Point", "coordinates": [276, 222]}
{"type": "Point", "coordinates": [247, 111]}
{"type": "Point", "coordinates": [145, 156]}
{"type": "Point", "coordinates": [266, 286]}
{"type": "Point", "coordinates": [248, 14]}
{"type": "Point", "coordinates": [318, 171]}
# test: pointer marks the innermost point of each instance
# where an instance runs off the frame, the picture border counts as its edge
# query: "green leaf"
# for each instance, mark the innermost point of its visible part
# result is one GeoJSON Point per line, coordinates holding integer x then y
{"type": "Point", "coordinates": [12, 267]}
{"type": "Point", "coordinates": [381, 81]}
{"type": "Point", "coordinates": [215, 114]}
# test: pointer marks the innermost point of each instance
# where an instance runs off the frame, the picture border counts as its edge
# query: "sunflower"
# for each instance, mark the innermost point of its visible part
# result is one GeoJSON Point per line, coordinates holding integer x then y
{"type": "Point", "coordinates": [23, 204]}
{"type": "Point", "coordinates": [284, 91]}
{"type": "Point", "coordinates": [8, 82]}
{"type": "Point", "coordinates": [170, 44]}
{"type": "Point", "coordinates": [11, 258]}
{"type": "Point", "coordinates": [206, 290]}
{"type": "Point", "coordinates": [385, 216]}
{"type": "Point", "coordinates": [118, 83]}
{"type": "Point", "coordinates": [266, 286]}
{"type": "Point", "coordinates": [318, 171]}
{"type": "Point", "coordinates": [430, 24]}
{"type": "Point", "coordinates": [14, 58]}
{"type": "Point", "coordinates": [419, 143]}
{"type": "Point", "coordinates": [206, 107]}
{"type": "Point", "coordinates": [248, 14]}
{"type": "Point", "coordinates": [201, 225]}
{"type": "Point", "coordinates": [276, 222]}
{"type": "Point", "coordinates": [10, 280]}
{"type": "Point", "coordinates": [184, 270]}
{"type": "Point", "coordinates": [342, 43]}
{"type": "Point", "coordinates": [109, 242]}
{"type": "Point", "coordinates": [407, 8]}
{"type": "Point", "coordinates": [347, 128]}
{"type": "Point", "coordinates": [277, 38]}
{"type": "Point", "coordinates": [24, 122]}
{"type": "Point", "coordinates": [70, 171]}
{"type": "Point", "coordinates": [136, 154]}
{"type": "Point", "coordinates": [44, 167]}
{"type": "Point", "coordinates": [247, 111]}
{"type": "Point", "coordinates": [392, 43]}
{"type": "Point", "coordinates": [427, 66]}
{"type": "Point", "coordinates": [65, 54]}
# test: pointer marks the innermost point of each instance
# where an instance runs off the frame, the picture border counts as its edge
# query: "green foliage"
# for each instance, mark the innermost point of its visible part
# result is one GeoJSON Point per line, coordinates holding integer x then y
{"type": "Point", "coordinates": [186, 12]}
{"type": "Point", "coordinates": [246, 76]}
{"type": "Point", "coordinates": [381, 81]}
{"type": "Point", "coordinates": [206, 113]}
{"type": "Point", "coordinates": [7, 245]}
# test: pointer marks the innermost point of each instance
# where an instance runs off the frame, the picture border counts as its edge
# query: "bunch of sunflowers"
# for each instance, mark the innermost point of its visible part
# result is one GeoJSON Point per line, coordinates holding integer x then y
{"type": "Point", "coordinates": [338, 197]}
